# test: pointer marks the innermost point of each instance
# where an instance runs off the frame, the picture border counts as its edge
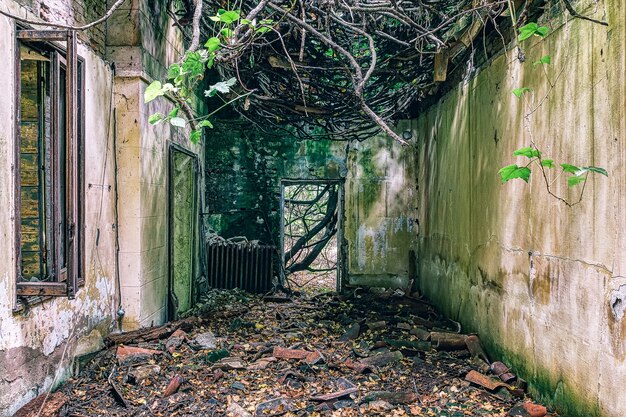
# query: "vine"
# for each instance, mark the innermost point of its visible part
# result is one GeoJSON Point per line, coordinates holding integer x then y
{"type": "Point", "coordinates": [575, 175]}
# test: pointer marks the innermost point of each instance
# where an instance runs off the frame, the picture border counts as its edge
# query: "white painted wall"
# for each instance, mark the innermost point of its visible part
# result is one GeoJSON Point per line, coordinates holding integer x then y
{"type": "Point", "coordinates": [37, 346]}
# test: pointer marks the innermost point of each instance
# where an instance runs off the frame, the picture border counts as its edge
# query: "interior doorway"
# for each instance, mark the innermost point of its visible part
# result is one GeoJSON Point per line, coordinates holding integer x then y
{"type": "Point", "coordinates": [182, 186]}
{"type": "Point", "coordinates": [311, 235]}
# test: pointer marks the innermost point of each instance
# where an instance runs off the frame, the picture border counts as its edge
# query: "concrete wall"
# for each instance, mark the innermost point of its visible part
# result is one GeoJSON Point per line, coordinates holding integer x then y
{"type": "Point", "coordinates": [244, 167]}
{"type": "Point", "coordinates": [38, 344]}
{"type": "Point", "coordinates": [543, 284]}
{"type": "Point", "coordinates": [142, 42]}
{"type": "Point", "coordinates": [381, 214]}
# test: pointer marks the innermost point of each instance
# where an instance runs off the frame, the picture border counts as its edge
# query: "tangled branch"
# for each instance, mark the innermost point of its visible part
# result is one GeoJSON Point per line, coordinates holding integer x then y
{"type": "Point", "coordinates": [338, 69]}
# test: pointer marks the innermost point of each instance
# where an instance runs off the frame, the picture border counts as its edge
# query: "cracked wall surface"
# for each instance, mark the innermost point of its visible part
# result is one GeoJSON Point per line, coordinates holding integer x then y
{"type": "Point", "coordinates": [541, 283]}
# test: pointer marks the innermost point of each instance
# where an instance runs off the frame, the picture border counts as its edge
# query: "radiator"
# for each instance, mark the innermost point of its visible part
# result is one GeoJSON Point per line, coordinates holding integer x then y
{"type": "Point", "coordinates": [250, 268]}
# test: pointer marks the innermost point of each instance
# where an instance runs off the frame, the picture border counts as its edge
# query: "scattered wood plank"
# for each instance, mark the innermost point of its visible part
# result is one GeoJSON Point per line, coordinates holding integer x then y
{"type": "Point", "coordinates": [45, 405]}
{"type": "Point", "coordinates": [173, 386]}
{"type": "Point", "coordinates": [335, 395]}
{"type": "Point", "coordinates": [285, 353]}
{"type": "Point", "coordinates": [383, 359]}
{"type": "Point", "coordinates": [399, 397]}
{"type": "Point", "coordinates": [352, 333]}
{"type": "Point", "coordinates": [152, 333]}
{"type": "Point", "coordinates": [475, 347]}
{"type": "Point", "coordinates": [448, 341]}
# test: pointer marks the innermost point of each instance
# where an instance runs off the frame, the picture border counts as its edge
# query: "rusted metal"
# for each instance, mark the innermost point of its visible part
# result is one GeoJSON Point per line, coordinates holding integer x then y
{"type": "Point", "coordinates": [240, 266]}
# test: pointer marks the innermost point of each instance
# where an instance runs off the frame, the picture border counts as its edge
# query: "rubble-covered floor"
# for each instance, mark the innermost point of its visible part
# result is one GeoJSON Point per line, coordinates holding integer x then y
{"type": "Point", "coordinates": [362, 353]}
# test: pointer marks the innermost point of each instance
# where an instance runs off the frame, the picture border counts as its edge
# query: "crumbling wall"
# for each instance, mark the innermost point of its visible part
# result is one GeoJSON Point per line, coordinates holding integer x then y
{"type": "Point", "coordinates": [38, 343]}
{"type": "Point", "coordinates": [244, 167]}
{"type": "Point", "coordinates": [541, 282]}
{"type": "Point", "coordinates": [142, 41]}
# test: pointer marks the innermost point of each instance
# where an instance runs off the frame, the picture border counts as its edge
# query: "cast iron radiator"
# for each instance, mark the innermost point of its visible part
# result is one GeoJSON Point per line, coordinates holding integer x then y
{"type": "Point", "coordinates": [249, 267]}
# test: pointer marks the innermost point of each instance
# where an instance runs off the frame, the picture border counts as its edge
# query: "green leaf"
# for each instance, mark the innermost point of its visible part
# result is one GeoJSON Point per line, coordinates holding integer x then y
{"type": "Point", "coordinates": [229, 17]}
{"type": "Point", "coordinates": [519, 92]}
{"type": "Point", "coordinates": [245, 21]}
{"type": "Point", "coordinates": [194, 64]}
{"type": "Point", "coordinates": [542, 31]}
{"type": "Point", "coordinates": [195, 136]}
{"type": "Point", "coordinates": [221, 87]}
{"type": "Point", "coordinates": [155, 118]}
{"type": "Point", "coordinates": [173, 71]}
{"type": "Point", "coordinates": [513, 171]}
{"type": "Point", "coordinates": [531, 29]}
{"type": "Point", "coordinates": [547, 163]}
{"type": "Point", "coordinates": [575, 179]}
{"type": "Point", "coordinates": [597, 170]}
{"type": "Point", "coordinates": [153, 91]}
{"type": "Point", "coordinates": [527, 31]}
{"type": "Point", "coordinates": [174, 112]}
{"type": "Point", "coordinates": [227, 33]}
{"type": "Point", "coordinates": [205, 123]}
{"type": "Point", "coordinates": [178, 122]}
{"type": "Point", "coordinates": [527, 152]}
{"type": "Point", "coordinates": [214, 18]}
{"type": "Point", "coordinates": [329, 53]}
{"type": "Point", "coordinates": [572, 169]}
{"type": "Point", "coordinates": [212, 44]}
{"type": "Point", "coordinates": [263, 29]}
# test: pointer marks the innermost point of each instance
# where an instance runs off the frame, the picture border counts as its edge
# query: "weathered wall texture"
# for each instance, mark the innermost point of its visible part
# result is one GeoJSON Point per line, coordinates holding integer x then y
{"type": "Point", "coordinates": [38, 345]}
{"type": "Point", "coordinates": [381, 214]}
{"type": "Point", "coordinates": [142, 42]}
{"type": "Point", "coordinates": [244, 168]}
{"type": "Point", "coordinates": [543, 284]}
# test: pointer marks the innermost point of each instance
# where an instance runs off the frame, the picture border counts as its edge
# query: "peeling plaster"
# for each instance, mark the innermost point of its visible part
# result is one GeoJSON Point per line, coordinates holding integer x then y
{"type": "Point", "coordinates": [618, 302]}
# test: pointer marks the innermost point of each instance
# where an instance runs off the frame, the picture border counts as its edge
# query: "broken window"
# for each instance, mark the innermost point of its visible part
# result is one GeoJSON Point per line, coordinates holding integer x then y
{"type": "Point", "coordinates": [47, 161]}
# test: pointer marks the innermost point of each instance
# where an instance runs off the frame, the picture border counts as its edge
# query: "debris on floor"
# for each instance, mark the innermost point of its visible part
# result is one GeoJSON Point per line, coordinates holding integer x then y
{"type": "Point", "coordinates": [362, 353]}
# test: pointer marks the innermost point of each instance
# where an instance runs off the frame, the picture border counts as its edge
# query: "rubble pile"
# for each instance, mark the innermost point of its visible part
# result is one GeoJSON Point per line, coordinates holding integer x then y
{"type": "Point", "coordinates": [354, 354]}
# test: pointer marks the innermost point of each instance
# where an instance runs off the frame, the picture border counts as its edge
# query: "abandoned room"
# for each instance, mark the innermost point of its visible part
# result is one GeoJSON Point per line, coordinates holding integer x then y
{"type": "Point", "coordinates": [313, 208]}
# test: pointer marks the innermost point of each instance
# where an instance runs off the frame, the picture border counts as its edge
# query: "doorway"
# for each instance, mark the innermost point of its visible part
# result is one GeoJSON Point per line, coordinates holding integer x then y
{"type": "Point", "coordinates": [311, 235]}
{"type": "Point", "coordinates": [182, 190]}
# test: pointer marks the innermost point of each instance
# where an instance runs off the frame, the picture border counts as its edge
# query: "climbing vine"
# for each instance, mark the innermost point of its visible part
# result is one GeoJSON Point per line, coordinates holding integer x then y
{"type": "Point", "coordinates": [573, 174]}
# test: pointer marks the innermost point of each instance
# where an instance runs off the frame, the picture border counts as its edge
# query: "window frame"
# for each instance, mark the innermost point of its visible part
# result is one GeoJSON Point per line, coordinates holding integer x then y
{"type": "Point", "coordinates": [66, 281]}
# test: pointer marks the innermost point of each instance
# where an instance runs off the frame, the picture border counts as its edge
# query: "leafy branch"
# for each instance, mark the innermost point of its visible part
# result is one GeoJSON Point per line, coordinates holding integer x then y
{"type": "Point", "coordinates": [577, 175]}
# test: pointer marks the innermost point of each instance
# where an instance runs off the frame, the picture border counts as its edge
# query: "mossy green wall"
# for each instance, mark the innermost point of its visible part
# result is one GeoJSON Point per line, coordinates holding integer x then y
{"type": "Point", "coordinates": [244, 167]}
{"type": "Point", "coordinates": [536, 279]}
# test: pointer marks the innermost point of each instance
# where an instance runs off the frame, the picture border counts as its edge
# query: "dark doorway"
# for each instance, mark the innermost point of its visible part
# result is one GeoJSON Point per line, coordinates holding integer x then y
{"type": "Point", "coordinates": [311, 232]}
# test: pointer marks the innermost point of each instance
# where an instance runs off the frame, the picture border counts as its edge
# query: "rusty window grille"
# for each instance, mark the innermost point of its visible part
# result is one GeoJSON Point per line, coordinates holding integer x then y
{"type": "Point", "coordinates": [47, 160]}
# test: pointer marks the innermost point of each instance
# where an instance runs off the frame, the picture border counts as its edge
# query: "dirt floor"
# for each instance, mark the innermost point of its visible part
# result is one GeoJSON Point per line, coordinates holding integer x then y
{"type": "Point", "coordinates": [357, 354]}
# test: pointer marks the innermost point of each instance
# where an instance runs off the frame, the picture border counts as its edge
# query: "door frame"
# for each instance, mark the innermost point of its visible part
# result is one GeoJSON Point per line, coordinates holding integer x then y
{"type": "Point", "coordinates": [173, 148]}
{"type": "Point", "coordinates": [341, 254]}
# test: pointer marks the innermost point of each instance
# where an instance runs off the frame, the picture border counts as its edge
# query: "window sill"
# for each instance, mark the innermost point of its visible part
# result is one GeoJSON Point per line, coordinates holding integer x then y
{"type": "Point", "coordinates": [23, 304]}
